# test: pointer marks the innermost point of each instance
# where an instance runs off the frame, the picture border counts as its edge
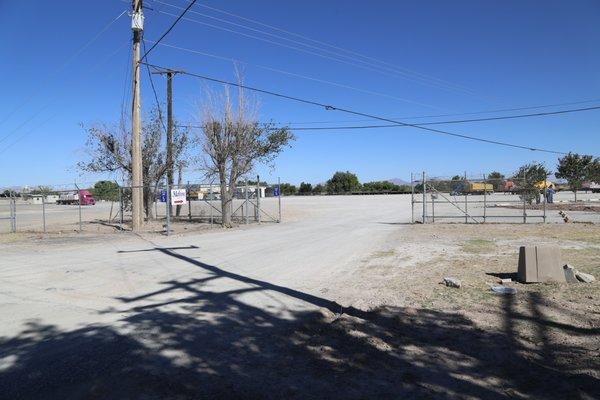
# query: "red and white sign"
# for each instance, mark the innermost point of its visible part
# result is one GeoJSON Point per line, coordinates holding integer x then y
{"type": "Point", "coordinates": [178, 197]}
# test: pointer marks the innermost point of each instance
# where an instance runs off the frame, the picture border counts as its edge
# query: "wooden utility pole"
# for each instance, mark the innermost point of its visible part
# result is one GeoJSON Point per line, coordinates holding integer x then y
{"type": "Point", "coordinates": [170, 163]}
{"type": "Point", "coordinates": [137, 180]}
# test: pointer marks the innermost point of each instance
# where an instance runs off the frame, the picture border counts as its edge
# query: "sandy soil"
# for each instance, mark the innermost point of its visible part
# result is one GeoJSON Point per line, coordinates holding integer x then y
{"type": "Point", "coordinates": [344, 304]}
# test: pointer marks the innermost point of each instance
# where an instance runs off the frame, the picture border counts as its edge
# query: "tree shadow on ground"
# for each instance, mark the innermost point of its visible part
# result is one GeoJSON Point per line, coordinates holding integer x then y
{"type": "Point", "coordinates": [185, 341]}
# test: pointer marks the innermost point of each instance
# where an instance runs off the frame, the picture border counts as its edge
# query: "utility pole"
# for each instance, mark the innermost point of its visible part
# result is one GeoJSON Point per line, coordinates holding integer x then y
{"type": "Point", "coordinates": [137, 181]}
{"type": "Point", "coordinates": [170, 164]}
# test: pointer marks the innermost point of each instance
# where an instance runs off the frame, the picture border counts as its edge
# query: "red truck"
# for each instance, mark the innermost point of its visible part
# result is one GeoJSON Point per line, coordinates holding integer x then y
{"type": "Point", "coordinates": [85, 197]}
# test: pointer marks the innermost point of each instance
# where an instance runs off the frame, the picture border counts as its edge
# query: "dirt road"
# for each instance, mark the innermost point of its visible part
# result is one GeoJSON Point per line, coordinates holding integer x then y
{"type": "Point", "coordinates": [271, 311]}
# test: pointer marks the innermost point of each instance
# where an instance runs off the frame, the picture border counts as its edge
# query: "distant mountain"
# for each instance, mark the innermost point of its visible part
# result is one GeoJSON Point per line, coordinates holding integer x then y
{"type": "Point", "coordinates": [398, 181]}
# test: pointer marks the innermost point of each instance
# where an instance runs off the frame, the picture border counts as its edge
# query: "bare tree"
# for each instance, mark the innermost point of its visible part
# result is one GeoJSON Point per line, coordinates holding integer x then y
{"type": "Point", "coordinates": [233, 141]}
{"type": "Point", "coordinates": [109, 150]}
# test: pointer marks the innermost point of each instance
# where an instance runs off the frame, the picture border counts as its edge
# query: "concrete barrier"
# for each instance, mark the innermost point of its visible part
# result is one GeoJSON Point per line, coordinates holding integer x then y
{"type": "Point", "coordinates": [540, 264]}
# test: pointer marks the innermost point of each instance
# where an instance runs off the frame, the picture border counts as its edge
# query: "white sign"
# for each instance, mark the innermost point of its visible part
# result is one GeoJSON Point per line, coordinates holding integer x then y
{"type": "Point", "coordinates": [178, 197]}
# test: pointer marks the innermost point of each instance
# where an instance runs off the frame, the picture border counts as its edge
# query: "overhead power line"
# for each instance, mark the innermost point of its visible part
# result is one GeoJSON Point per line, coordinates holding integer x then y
{"type": "Point", "coordinates": [168, 30]}
{"type": "Point", "coordinates": [61, 67]}
{"type": "Point", "coordinates": [362, 114]}
{"type": "Point", "coordinates": [310, 78]}
{"type": "Point", "coordinates": [344, 60]}
{"type": "Point", "coordinates": [454, 114]}
{"type": "Point", "coordinates": [455, 121]}
{"type": "Point", "coordinates": [326, 48]}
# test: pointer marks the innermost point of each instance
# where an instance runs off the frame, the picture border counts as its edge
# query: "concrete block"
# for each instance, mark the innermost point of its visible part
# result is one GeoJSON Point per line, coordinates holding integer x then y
{"type": "Point", "coordinates": [570, 273]}
{"type": "Point", "coordinates": [583, 277]}
{"type": "Point", "coordinates": [540, 264]}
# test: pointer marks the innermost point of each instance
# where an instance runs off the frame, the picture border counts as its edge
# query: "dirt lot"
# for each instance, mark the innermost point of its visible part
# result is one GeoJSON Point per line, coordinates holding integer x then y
{"type": "Point", "coordinates": [343, 301]}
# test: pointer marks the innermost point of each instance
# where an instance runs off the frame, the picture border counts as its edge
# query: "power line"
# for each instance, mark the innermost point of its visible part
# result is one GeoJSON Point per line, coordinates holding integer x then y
{"type": "Point", "coordinates": [406, 73]}
{"type": "Point", "coordinates": [284, 72]}
{"type": "Point", "coordinates": [162, 122]}
{"type": "Point", "coordinates": [362, 114]}
{"type": "Point", "coordinates": [167, 31]}
{"type": "Point", "coordinates": [452, 115]}
{"type": "Point", "coordinates": [51, 101]}
{"type": "Point", "coordinates": [358, 64]}
{"type": "Point", "coordinates": [56, 71]}
{"type": "Point", "coordinates": [455, 121]}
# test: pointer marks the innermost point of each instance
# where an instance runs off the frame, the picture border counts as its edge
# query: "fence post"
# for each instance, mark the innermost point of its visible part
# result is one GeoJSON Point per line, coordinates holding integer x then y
{"type": "Point", "coordinates": [466, 199]}
{"type": "Point", "coordinates": [189, 199]}
{"type": "Point", "coordinates": [246, 213]}
{"type": "Point", "coordinates": [258, 198]}
{"type": "Point", "coordinates": [412, 198]}
{"type": "Point", "coordinates": [524, 198]}
{"type": "Point", "coordinates": [484, 197]}
{"type": "Point", "coordinates": [424, 187]}
{"type": "Point", "coordinates": [210, 196]}
{"type": "Point", "coordinates": [121, 206]}
{"type": "Point", "coordinates": [13, 213]}
{"type": "Point", "coordinates": [79, 203]}
{"type": "Point", "coordinates": [279, 196]}
{"type": "Point", "coordinates": [545, 197]}
{"type": "Point", "coordinates": [44, 212]}
{"type": "Point", "coordinates": [168, 207]}
{"type": "Point", "coordinates": [433, 208]}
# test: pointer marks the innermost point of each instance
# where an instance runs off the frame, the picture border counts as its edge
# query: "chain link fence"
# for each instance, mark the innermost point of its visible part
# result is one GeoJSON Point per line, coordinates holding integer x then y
{"type": "Point", "coordinates": [481, 199]}
{"type": "Point", "coordinates": [77, 209]}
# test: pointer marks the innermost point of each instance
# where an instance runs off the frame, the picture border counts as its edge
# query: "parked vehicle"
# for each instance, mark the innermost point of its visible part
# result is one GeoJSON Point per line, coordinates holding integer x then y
{"type": "Point", "coordinates": [472, 188]}
{"type": "Point", "coordinates": [84, 196]}
{"type": "Point", "coordinates": [594, 187]}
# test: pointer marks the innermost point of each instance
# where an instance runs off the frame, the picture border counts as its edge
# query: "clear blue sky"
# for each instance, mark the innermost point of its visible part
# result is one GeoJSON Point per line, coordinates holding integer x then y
{"type": "Point", "coordinates": [506, 54]}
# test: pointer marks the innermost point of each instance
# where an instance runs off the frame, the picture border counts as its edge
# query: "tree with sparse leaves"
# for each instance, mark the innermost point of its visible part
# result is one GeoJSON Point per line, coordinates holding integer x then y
{"type": "Point", "coordinates": [575, 169]}
{"type": "Point", "coordinates": [109, 150]}
{"type": "Point", "coordinates": [233, 141]}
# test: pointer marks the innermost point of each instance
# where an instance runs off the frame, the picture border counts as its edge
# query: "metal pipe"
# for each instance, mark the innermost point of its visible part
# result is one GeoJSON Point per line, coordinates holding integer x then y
{"type": "Point", "coordinates": [121, 205]}
{"type": "Point", "coordinates": [545, 196]}
{"type": "Point", "coordinates": [279, 197]}
{"type": "Point", "coordinates": [424, 187]}
{"type": "Point", "coordinates": [79, 202]}
{"type": "Point", "coordinates": [168, 207]}
{"type": "Point", "coordinates": [189, 199]}
{"type": "Point", "coordinates": [466, 199]}
{"type": "Point", "coordinates": [44, 213]}
{"type": "Point", "coordinates": [412, 198]}
{"type": "Point", "coordinates": [258, 198]}
{"type": "Point", "coordinates": [484, 197]}
{"type": "Point", "coordinates": [210, 193]}
{"type": "Point", "coordinates": [247, 213]}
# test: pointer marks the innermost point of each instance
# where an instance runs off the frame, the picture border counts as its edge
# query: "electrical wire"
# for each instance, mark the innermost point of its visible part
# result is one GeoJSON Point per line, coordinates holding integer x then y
{"type": "Point", "coordinates": [59, 69]}
{"type": "Point", "coordinates": [408, 74]}
{"type": "Point", "coordinates": [456, 121]}
{"type": "Point", "coordinates": [328, 128]}
{"type": "Point", "coordinates": [453, 115]}
{"type": "Point", "coordinates": [329, 107]}
{"type": "Point", "coordinates": [306, 51]}
{"type": "Point", "coordinates": [310, 78]}
{"type": "Point", "coordinates": [168, 30]}
{"type": "Point", "coordinates": [158, 108]}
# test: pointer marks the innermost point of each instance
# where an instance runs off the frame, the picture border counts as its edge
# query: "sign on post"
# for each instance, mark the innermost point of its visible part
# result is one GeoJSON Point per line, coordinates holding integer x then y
{"type": "Point", "coordinates": [178, 197]}
{"type": "Point", "coordinates": [276, 192]}
{"type": "Point", "coordinates": [163, 196]}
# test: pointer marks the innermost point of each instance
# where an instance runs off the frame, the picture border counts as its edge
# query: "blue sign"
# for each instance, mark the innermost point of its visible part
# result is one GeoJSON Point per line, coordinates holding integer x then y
{"type": "Point", "coordinates": [163, 196]}
{"type": "Point", "coordinates": [276, 192]}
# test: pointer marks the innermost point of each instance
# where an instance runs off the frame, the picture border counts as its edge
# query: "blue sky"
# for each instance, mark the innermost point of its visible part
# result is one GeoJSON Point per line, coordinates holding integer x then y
{"type": "Point", "coordinates": [464, 56]}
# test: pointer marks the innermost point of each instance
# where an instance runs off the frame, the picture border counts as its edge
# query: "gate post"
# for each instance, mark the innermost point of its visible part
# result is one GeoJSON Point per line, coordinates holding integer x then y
{"type": "Point", "coordinates": [412, 198]}
{"type": "Point", "coordinates": [424, 185]}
